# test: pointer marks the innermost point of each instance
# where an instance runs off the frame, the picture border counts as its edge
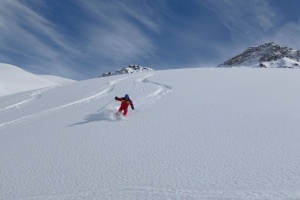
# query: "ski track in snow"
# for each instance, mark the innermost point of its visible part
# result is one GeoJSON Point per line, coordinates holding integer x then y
{"type": "Point", "coordinates": [107, 89]}
{"type": "Point", "coordinates": [153, 185]}
{"type": "Point", "coordinates": [162, 89]}
{"type": "Point", "coordinates": [151, 98]}
{"type": "Point", "coordinates": [31, 98]}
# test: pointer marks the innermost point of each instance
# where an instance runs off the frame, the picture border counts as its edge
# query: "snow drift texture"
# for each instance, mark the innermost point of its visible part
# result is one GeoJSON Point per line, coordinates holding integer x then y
{"type": "Point", "coordinates": [224, 133]}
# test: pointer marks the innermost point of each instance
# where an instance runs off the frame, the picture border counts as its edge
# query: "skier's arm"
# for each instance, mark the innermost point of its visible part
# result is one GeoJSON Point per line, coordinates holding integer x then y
{"type": "Point", "coordinates": [131, 104]}
{"type": "Point", "coordinates": [118, 99]}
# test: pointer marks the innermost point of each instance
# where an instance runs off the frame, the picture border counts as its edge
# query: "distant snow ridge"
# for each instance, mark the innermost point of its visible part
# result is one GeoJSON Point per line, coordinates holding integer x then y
{"type": "Point", "coordinates": [14, 79]}
{"type": "Point", "coordinates": [268, 55]}
{"type": "Point", "coordinates": [127, 70]}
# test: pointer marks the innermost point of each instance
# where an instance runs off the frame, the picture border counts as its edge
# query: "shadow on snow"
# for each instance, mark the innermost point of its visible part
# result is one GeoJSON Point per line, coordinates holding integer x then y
{"type": "Point", "coordinates": [105, 115]}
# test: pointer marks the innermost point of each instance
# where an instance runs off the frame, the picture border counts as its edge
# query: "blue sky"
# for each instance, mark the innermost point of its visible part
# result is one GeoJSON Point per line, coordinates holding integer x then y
{"type": "Point", "coordinates": [82, 39]}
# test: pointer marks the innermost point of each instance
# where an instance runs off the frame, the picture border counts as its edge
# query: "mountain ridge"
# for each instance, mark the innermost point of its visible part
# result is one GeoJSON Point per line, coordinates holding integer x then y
{"type": "Point", "coordinates": [14, 79]}
{"type": "Point", "coordinates": [127, 70]}
{"type": "Point", "coordinates": [267, 55]}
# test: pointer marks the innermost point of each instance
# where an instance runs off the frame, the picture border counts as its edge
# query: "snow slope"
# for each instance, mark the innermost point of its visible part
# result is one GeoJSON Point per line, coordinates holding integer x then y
{"type": "Point", "coordinates": [14, 79]}
{"type": "Point", "coordinates": [58, 80]}
{"type": "Point", "coordinates": [226, 133]}
{"type": "Point", "coordinates": [282, 63]}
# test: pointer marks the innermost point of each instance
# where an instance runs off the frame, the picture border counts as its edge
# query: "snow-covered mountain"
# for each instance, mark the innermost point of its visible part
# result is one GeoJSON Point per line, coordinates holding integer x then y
{"type": "Point", "coordinates": [14, 79]}
{"type": "Point", "coordinates": [127, 70]}
{"type": "Point", "coordinates": [57, 79]}
{"type": "Point", "coordinates": [215, 133]}
{"type": "Point", "coordinates": [268, 55]}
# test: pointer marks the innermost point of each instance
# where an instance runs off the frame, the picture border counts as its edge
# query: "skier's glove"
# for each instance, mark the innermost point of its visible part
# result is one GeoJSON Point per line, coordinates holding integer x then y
{"type": "Point", "coordinates": [116, 98]}
{"type": "Point", "coordinates": [132, 108]}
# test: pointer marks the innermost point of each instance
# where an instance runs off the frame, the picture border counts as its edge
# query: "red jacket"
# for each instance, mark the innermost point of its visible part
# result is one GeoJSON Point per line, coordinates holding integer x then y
{"type": "Point", "coordinates": [125, 102]}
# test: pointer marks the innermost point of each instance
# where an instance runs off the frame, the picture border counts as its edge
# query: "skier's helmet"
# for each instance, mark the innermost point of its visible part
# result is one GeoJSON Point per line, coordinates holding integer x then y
{"type": "Point", "coordinates": [126, 96]}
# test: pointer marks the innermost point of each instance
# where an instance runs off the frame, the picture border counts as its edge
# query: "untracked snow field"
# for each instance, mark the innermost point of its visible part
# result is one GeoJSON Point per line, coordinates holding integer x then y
{"type": "Point", "coordinates": [231, 133]}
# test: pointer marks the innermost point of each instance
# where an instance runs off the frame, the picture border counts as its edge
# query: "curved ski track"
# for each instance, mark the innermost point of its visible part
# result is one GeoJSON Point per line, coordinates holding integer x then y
{"type": "Point", "coordinates": [151, 98]}
{"type": "Point", "coordinates": [31, 98]}
{"type": "Point", "coordinates": [162, 89]}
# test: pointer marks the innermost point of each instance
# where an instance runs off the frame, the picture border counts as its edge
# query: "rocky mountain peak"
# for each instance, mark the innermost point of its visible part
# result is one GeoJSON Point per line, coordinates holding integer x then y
{"type": "Point", "coordinates": [266, 55]}
{"type": "Point", "coordinates": [127, 70]}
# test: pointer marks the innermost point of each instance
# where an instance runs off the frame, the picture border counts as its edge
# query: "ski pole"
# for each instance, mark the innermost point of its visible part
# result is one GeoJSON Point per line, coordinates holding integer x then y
{"type": "Point", "coordinates": [105, 105]}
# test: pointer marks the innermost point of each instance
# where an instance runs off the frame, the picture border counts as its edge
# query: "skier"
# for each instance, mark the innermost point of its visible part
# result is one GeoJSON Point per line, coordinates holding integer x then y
{"type": "Point", "coordinates": [125, 103]}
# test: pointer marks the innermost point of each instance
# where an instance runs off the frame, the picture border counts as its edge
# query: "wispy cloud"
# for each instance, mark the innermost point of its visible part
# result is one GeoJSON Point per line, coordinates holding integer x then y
{"type": "Point", "coordinates": [247, 22]}
{"type": "Point", "coordinates": [265, 14]}
{"type": "Point", "coordinates": [253, 23]}
{"type": "Point", "coordinates": [244, 19]}
{"type": "Point", "coordinates": [110, 33]}
{"type": "Point", "coordinates": [33, 40]}
{"type": "Point", "coordinates": [81, 39]}
{"type": "Point", "coordinates": [288, 35]}
{"type": "Point", "coordinates": [118, 33]}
